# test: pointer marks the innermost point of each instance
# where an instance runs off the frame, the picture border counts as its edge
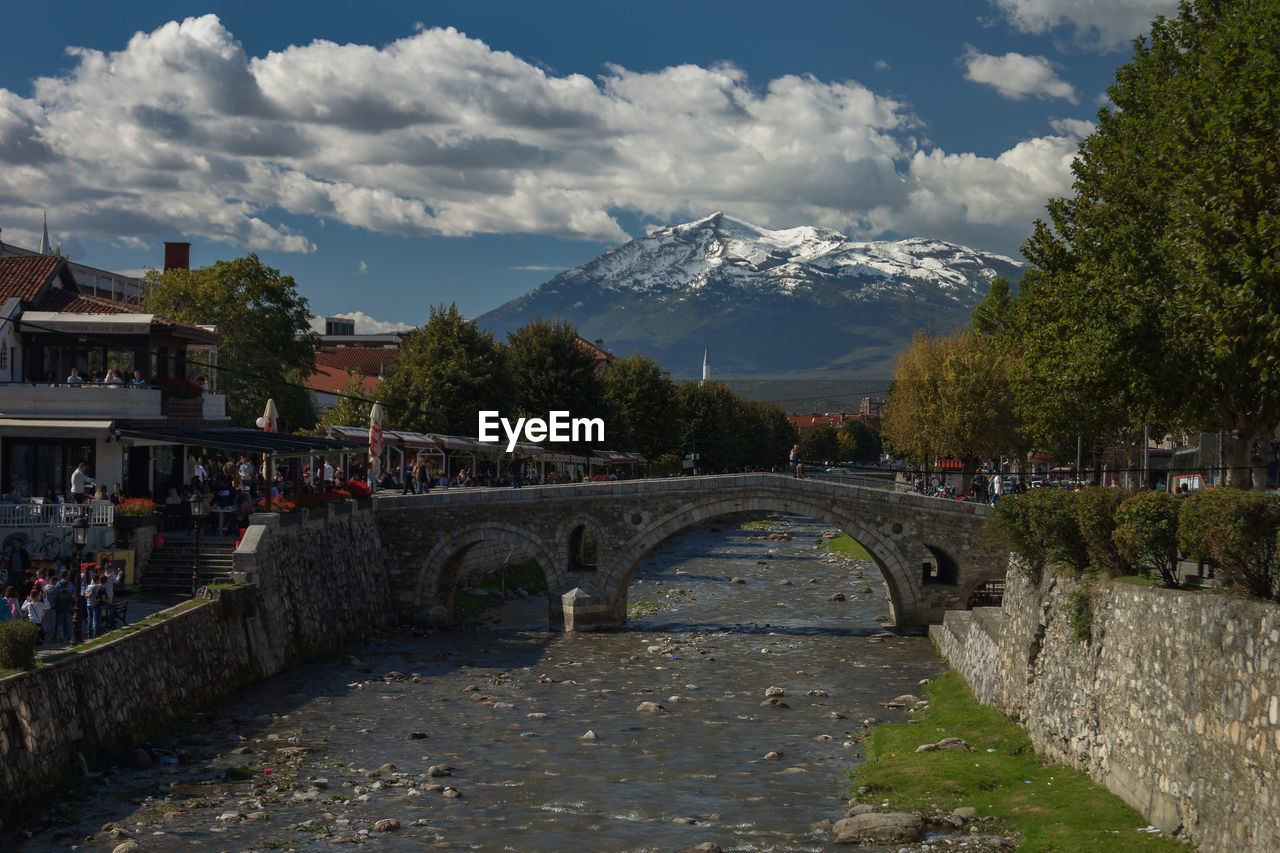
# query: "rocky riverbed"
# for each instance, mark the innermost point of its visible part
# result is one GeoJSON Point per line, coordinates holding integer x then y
{"type": "Point", "coordinates": [727, 715]}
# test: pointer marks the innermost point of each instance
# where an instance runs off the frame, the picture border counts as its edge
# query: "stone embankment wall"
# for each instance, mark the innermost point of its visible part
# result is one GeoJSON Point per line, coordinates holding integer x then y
{"type": "Point", "coordinates": [314, 584]}
{"type": "Point", "coordinates": [1173, 704]}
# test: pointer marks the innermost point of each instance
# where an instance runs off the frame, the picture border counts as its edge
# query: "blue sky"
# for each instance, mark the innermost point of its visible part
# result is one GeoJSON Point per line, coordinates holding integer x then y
{"type": "Point", "coordinates": [392, 156]}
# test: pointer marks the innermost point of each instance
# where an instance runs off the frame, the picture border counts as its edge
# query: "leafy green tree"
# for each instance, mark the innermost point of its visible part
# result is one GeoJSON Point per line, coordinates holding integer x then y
{"type": "Point", "coordinates": [1154, 295]}
{"type": "Point", "coordinates": [551, 370]}
{"type": "Point", "coordinates": [352, 407]}
{"type": "Point", "coordinates": [1096, 516]}
{"type": "Point", "coordinates": [1146, 533]}
{"type": "Point", "coordinates": [993, 318]}
{"type": "Point", "coordinates": [1237, 531]}
{"type": "Point", "coordinates": [448, 370]}
{"type": "Point", "coordinates": [641, 402]}
{"type": "Point", "coordinates": [708, 424]}
{"type": "Point", "coordinates": [266, 349]}
{"type": "Point", "coordinates": [820, 443]}
{"type": "Point", "coordinates": [859, 442]}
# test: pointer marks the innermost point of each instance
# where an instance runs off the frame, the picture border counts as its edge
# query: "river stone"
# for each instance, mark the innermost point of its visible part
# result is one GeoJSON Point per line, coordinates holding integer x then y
{"type": "Point", "coordinates": [650, 708]}
{"type": "Point", "coordinates": [452, 792]}
{"type": "Point", "coordinates": [774, 702]}
{"type": "Point", "coordinates": [387, 824]}
{"type": "Point", "coordinates": [772, 756]}
{"type": "Point", "coordinates": [258, 816]}
{"type": "Point", "coordinates": [704, 847]}
{"type": "Point", "coordinates": [129, 846]}
{"type": "Point", "coordinates": [952, 743]}
{"type": "Point", "coordinates": [438, 770]}
{"type": "Point", "coordinates": [418, 735]}
{"type": "Point", "coordinates": [775, 691]}
{"type": "Point", "coordinates": [839, 596]}
{"type": "Point", "coordinates": [965, 812]}
{"type": "Point", "coordinates": [590, 735]}
{"type": "Point", "coordinates": [860, 808]}
{"type": "Point", "coordinates": [737, 580]}
{"type": "Point", "coordinates": [893, 826]}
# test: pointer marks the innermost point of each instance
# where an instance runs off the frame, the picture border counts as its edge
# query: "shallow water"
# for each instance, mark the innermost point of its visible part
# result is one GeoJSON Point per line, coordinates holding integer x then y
{"type": "Point", "coordinates": [507, 706]}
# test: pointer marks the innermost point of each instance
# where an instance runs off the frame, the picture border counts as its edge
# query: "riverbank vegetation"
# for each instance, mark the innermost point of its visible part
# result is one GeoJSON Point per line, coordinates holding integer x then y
{"type": "Point", "coordinates": [484, 591]}
{"type": "Point", "coordinates": [846, 546]}
{"type": "Point", "coordinates": [1050, 807]}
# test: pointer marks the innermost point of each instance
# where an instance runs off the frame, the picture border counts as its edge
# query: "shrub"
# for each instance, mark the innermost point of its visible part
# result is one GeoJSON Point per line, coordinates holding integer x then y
{"type": "Point", "coordinates": [135, 507]}
{"type": "Point", "coordinates": [1096, 515]}
{"type": "Point", "coordinates": [1040, 526]}
{"type": "Point", "coordinates": [357, 489]}
{"type": "Point", "coordinates": [1080, 613]}
{"type": "Point", "coordinates": [279, 504]}
{"type": "Point", "coordinates": [1238, 532]}
{"type": "Point", "coordinates": [1146, 533]}
{"type": "Point", "coordinates": [18, 644]}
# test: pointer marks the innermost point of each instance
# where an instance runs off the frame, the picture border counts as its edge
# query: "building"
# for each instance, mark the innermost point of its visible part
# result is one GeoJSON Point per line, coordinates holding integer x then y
{"type": "Point", "coordinates": [102, 284]}
{"type": "Point", "coordinates": [48, 327]}
{"type": "Point", "coordinates": [340, 352]}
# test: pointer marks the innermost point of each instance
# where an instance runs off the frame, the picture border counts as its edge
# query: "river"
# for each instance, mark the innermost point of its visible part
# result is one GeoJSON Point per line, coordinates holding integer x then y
{"type": "Point", "coordinates": [503, 736]}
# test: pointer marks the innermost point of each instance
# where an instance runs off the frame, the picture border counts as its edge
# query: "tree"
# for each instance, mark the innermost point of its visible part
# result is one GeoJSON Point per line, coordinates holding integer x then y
{"type": "Point", "coordinates": [350, 409]}
{"type": "Point", "coordinates": [266, 349]}
{"type": "Point", "coordinates": [1154, 295]}
{"type": "Point", "coordinates": [1146, 533]}
{"type": "Point", "coordinates": [994, 315]}
{"type": "Point", "coordinates": [448, 370]}
{"type": "Point", "coordinates": [950, 397]}
{"type": "Point", "coordinates": [551, 370]}
{"type": "Point", "coordinates": [820, 443]}
{"type": "Point", "coordinates": [641, 402]}
{"type": "Point", "coordinates": [859, 442]}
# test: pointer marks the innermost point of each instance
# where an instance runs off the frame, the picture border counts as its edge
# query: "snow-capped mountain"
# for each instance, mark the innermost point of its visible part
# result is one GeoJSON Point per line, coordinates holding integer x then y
{"type": "Point", "coordinates": [801, 301]}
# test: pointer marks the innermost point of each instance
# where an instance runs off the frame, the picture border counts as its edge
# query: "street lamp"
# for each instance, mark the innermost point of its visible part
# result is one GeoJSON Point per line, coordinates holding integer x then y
{"type": "Point", "coordinates": [79, 538]}
{"type": "Point", "coordinates": [199, 509]}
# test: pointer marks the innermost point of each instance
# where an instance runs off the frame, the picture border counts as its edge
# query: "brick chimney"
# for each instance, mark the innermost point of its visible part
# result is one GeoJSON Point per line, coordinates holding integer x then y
{"type": "Point", "coordinates": [177, 256]}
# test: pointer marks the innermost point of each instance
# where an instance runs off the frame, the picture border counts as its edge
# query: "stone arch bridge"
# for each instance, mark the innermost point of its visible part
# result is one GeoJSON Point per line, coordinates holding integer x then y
{"type": "Point", "coordinates": [589, 538]}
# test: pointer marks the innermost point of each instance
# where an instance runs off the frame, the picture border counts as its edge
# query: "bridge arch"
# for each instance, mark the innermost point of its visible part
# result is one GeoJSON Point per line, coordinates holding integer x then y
{"type": "Point", "coordinates": [901, 574]}
{"type": "Point", "coordinates": [437, 572]}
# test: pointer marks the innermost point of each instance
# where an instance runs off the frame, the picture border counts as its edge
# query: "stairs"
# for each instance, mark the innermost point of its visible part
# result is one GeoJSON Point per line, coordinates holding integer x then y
{"type": "Point", "coordinates": [169, 569]}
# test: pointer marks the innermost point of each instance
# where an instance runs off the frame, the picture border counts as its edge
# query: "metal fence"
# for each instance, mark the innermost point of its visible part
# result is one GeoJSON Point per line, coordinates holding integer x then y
{"type": "Point", "coordinates": [99, 514]}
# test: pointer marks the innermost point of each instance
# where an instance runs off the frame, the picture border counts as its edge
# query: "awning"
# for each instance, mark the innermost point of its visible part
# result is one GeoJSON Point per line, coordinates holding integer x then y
{"type": "Point", "coordinates": [612, 457]}
{"type": "Point", "coordinates": [243, 440]}
{"type": "Point", "coordinates": [86, 324]}
{"type": "Point", "coordinates": [49, 428]}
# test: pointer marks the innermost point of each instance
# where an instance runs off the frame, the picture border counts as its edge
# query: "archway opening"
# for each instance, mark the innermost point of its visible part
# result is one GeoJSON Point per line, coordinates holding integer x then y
{"type": "Point", "coordinates": [583, 550]}
{"type": "Point", "coordinates": [491, 582]}
{"type": "Point", "coordinates": [938, 568]}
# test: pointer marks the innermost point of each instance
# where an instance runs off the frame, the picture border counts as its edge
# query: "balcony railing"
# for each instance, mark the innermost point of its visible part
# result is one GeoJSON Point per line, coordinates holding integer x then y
{"type": "Point", "coordinates": [46, 528]}
{"type": "Point", "coordinates": [113, 402]}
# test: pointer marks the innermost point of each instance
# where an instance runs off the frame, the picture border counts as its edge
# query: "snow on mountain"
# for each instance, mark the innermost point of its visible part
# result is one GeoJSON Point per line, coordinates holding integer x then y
{"type": "Point", "coordinates": [803, 300]}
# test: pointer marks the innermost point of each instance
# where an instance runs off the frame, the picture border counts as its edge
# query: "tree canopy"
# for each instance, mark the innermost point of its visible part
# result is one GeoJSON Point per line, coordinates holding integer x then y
{"type": "Point", "coordinates": [641, 402]}
{"type": "Point", "coordinates": [1154, 295]}
{"type": "Point", "coordinates": [551, 369]}
{"type": "Point", "coordinates": [266, 349]}
{"type": "Point", "coordinates": [448, 370]}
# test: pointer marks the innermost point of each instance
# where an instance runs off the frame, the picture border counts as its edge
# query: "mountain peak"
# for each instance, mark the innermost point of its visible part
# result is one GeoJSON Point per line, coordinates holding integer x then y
{"type": "Point", "coordinates": [768, 301]}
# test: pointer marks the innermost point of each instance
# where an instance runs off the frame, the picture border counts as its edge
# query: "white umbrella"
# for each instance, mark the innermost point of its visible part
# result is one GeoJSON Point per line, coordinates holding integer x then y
{"type": "Point", "coordinates": [270, 419]}
{"type": "Point", "coordinates": [375, 442]}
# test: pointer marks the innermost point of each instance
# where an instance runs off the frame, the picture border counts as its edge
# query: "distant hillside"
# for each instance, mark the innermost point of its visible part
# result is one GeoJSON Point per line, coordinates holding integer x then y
{"type": "Point", "coordinates": [801, 302]}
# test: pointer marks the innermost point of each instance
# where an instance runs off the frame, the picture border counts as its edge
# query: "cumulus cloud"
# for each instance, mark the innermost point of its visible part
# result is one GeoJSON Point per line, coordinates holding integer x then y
{"type": "Point", "coordinates": [361, 268]}
{"type": "Point", "coordinates": [1099, 24]}
{"type": "Point", "coordinates": [181, 132]}
{"type": "Point", "coordinates": [1016, 76]}
{"type": "Point", "coordinates": [365, 325]}
{"type": "Point", "coordinates": [882, 65]}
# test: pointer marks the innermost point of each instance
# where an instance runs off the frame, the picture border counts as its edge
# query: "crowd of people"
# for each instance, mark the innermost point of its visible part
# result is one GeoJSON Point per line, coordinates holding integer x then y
{"type": "Point", "coordinates": [50, 598]}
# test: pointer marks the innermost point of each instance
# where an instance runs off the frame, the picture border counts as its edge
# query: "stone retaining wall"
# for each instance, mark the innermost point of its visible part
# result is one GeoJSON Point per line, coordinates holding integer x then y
{"type": "Point", "coordinates": [315, 584]}
{"type": "Point", "coordinates": [1173, 704]}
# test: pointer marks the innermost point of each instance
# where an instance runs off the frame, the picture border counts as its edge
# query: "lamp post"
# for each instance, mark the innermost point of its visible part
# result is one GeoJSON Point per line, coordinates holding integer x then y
{"type": "Point", "coordinates": [198, 511]}
{"type": "Point", "coordinates": [79, 538]}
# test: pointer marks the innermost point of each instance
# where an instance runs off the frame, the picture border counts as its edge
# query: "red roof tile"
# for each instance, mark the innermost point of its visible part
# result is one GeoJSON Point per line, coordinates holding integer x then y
{"type": "Point", "coordinates": [370, 361]}
{"type": "Point", "coordinates": [24, 276]}
{"type": "Point", "coordinates": [332, 380]}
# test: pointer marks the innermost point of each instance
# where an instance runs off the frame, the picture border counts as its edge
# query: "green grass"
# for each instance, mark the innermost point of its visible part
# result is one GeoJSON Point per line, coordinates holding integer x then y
{"type": "Point", "coordinates": [153, 619]}
{"type": "Point", "coordinates": [1052, 807]}
{"type": "Point", "coordinates": [847, 547]}
{"type": "Point", "coordinates": [1138, 580]}
{"type": "Point", "coordinates": [641, 609]}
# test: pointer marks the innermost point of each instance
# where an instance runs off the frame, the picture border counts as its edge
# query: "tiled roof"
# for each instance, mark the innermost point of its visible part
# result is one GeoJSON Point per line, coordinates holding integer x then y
{"type": "Point", "coordinates": [66, 302]}
{"type": "Point", "coordinates": [370, 361]}
{"type": "Point", "coordinates": [595, 351]}
{"type": "Point", "coordinates": [332, 380]}
{"type": "Point", "coordinates": [24, 276]}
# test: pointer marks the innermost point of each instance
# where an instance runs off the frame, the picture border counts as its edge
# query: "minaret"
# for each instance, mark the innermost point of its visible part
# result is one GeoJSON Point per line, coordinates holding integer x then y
{"type": "Point", "coordinates": [706, 370]}
{"type": "Point", "coordinates": [45, 249]}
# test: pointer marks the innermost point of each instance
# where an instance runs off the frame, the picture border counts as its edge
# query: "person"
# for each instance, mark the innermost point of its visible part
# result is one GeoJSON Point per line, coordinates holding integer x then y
{"type": "Point", "coordinates": [200, 472]}
{"type": "Point", "coordinates": [114, 379]}
{"type": "Point", "coordinates": [11, 603]}
{"type": "Point", "coordinates": [80, 483]}
{"type": "Point", "coordinates": [92, 600]}
{"type": "Point", "coordinates": [12, 496]}
{"type": "Point", "coordinates": [793, 460]}
{"type": "Point", "coordinates": [422, 473]}
{"type": "Point", "coordinates": [203, 382]}
{"type": "Point", "coordinates": [517, 470]}
{"type": "Point", "coordinates": [101, 494]}
{"type": "Point", "coordinates": [74, 377]}
{"type": "Point", "coordinates": [246, 471]}
{"type": "Point", "coordinates": [117, 493]}
{"type": "Point", "coordinates": [16, 564]}
{"type": "Point", "coordinates": [50, 497]}
{"type": "Point", "coordinates": [138, 381]}
{"type": "Point", "coordinates": [35, 608]}
{"type": "Point", "coordinates": [64, 602]}
{"type": "Point", "coordinates": [997, 488]}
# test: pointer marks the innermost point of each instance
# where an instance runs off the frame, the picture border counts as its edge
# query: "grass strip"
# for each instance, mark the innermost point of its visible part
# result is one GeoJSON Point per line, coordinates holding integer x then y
{"type": "Point", "coordinates": [1052, 807]}
{"type": "Point", "coordinates": [845, 546]}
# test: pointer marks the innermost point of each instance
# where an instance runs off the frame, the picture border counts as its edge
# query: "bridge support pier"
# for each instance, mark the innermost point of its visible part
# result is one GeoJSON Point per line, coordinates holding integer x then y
{"type": "Point", "coordinates": [584, 608]}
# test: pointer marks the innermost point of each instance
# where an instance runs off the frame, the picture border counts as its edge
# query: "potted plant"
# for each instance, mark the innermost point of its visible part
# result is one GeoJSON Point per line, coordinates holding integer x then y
{"type": "Point", "coordinates": [131, 515]}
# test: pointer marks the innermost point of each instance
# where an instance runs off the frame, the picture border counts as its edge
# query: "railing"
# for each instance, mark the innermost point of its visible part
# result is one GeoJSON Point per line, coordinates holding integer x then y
{"type": "Point", "coordinates": [99, 514]}
{"type": "Point", "coordinates": [60, 399]}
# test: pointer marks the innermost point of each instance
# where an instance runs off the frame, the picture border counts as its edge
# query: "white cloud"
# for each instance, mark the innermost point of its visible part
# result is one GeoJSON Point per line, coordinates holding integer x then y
{"type": "Point", "coordinates": [181, 132]}
{"type": "Point", "coordinates": [361, 268]}
{"type": "Point", "coordinates": [1100, 24]}
{"type": "Point", "coordinates": [539, 268]}
{"type": "Point", "coordinates": [1016, 76]}
{"type": "Point", "coordinates": [882, 65]}
{"type": "Point", "coordinates": [1072, 127]}
{"type": "Point", "coordinates": [365, 325]}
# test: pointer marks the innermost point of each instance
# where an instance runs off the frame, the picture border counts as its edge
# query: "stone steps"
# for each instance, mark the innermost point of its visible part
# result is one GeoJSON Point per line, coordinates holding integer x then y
{"type": "Point", "coordinates": [170, 568]}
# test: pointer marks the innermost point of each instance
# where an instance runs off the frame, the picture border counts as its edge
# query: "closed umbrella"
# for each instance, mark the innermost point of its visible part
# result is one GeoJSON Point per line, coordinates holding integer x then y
{"type": "Point", "coordinates": [270, 422]}
{"type": "Point", "coordinates": [375, 444]}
